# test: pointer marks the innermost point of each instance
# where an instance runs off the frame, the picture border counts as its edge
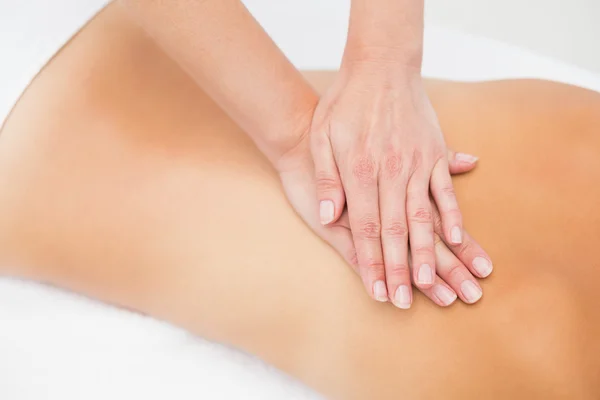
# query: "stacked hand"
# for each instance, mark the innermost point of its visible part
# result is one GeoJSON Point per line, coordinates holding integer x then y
{"type": "Point", "coordinates": [372, 177]}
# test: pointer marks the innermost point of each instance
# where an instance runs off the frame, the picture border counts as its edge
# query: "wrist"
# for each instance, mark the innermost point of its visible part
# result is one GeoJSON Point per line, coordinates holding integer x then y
{"type": "Point", "coordinates": [379, 73]}
{"type": "Point", "coordinates": [287, 142]}
{"type": "Point", "coordinates": [382, 57]}
{"type": "Point", "coordinates": [410, 55]}
{"type": "Point", "coordinates": [386, 31]}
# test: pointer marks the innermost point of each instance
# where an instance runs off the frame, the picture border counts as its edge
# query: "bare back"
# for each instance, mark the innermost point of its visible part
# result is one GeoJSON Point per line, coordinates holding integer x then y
{"type": "Point", "coordinates": [122, 180]}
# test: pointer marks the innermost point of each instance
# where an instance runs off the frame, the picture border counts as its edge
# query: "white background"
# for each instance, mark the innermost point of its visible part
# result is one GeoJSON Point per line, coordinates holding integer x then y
{"type": "Point", "coordinates": [568, 30]}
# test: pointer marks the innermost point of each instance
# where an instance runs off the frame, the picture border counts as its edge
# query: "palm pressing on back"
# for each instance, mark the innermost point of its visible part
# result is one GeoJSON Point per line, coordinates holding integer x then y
{"type": "Point", "coordinates": [455, 272]}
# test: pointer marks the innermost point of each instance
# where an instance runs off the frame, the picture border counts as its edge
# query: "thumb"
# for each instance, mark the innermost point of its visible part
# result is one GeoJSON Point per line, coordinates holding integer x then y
{"type": "Point", "coordinates": [330, 192]}
{"type": "Point", "coordinates": [460, 163]}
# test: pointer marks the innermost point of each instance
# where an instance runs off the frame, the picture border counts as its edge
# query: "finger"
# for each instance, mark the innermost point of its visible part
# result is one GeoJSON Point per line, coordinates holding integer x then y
{"type": "Point", "coordinates": [469, 252]}
{"type": "Point", "coordinates": [394, 237]}
{"type": "Point", "coordinates": [473, 256]}
{"type": "Point", "coordinates": [344, 220]}
{"type": "Point", "coordinates": [330, 192]}
{"type": "Point", "coordinates": [455, 274]}
{"type": "Point", "coordinates": [440, 293]}
{"type": "Point", "coordinates": [363, 210]}
{"type": "Point", "coordinates": [420, 229]}
{"type": "Point", "coordinates": [442, 190]}
{"type": "Point", "coordinates": [460, 163]}
{"type": "Point", "coordinates": [341, 239]}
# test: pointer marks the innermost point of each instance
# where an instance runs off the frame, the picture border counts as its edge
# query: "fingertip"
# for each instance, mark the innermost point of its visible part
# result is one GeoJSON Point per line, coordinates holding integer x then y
{"type": "Point", "coordinates": [466, 158]}
{"type": "Point", "coordinates": [380, 291]}
{"type": "Point", "coordinates": [425, 276]}
{"type": "Point", "coordinates": [482, 266]}
{"type": "Point", "coordinates": [327, 211]}
{"type": "Point", "coordinates": [455, 236]}
{"type": "Point", "coordinates": [403, 297]}
{"type": "Point", "coordinates": [456, 168]}
{"type": "Point", "coordinates": [462, 162]}
{"type": "Point", "coordinates": [331, 208]}
{"type": "Point", "coordinates": [445, 295]}
{"type": "Point", "coordinates": [471, 292]}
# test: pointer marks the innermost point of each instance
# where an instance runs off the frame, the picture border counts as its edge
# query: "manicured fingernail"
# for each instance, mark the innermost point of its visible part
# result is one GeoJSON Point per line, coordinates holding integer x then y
{"type": "Point", "coordinates": [380, 292]}
{"type": "Point", "coordinates": [482, 266]}
{"type": "Point", "coordinates": [456, 235]}
{"type": "Point", "coordinates": [425, 276]}
{"type": "Point", "coordinates": [468, 158]}
{"type": "Point", "coordinates": [445, 295]}
{"type": "Point", "coordinates": [402, 297]}
{"type": "Point", "coordinates": [326, 209]}
{"type": "Point", "coordinates": [471, 291]}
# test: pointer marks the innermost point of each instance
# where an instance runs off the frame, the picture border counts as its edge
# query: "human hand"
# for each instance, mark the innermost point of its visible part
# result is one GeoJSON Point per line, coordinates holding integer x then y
{"type": "Point", "coordinates": [455, 263]}
{"type": "Point", "coordinates": [379, 151]}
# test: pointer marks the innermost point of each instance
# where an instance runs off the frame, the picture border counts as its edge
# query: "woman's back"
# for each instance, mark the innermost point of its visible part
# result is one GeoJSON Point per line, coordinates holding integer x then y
{"type": "Point", "coordinates": [126, 183]}
{"type": "Point", "coordinates": [533, 204]}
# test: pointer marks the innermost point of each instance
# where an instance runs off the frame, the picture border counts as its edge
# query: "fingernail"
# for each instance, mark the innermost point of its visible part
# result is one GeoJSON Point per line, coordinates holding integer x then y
{"type": "Point", "coordinates": [471, 291]}
{"type": "Point", "coordinates": [456, 235]}
{"type": "Point", "coordinates": [402, 297]}
{"type": "Point", "coordinates": [445, 295]}
{"type": "Point", "coordinates": [482, 266]}
{"type": "Point", "coordinates": [326, 209]}
{"type": "Point", "coordinates": [468, 158]}
{"type": "Point", "coordinates": [425, 276]}
{"type": "Point", "coordinates": [380, 292]}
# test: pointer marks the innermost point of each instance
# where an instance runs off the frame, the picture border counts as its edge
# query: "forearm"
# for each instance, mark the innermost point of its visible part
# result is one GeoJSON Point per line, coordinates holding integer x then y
{"type": "Point", "coordinates": [229, 55]}
{"type": "Point", "coordinates": [389, 31]}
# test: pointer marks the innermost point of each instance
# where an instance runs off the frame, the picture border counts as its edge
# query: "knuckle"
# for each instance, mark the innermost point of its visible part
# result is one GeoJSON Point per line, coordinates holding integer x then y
{"type": "Point", "coordinates": [395, 230]}
{"type": "Point", "coordinates": [455, 272]}
{"type": "Point", "coordinates": [369, 228]}
{"type": "Point", "coordinates": [423, 251]}
{"type": "Point", "coordinates": [326, 182]}
{"type": "Point", "coordinates": [398, 269]}
{"type": "Point", "coordinates": [374, 265]}
{"type": "Point", "coordinates": [464, 248]}
{"type": "Point", "coordinates": [392, 167]}
{"type": "Point", "coordinates": [422, 215]}
{"type": "Point", "coordinates": [449, 203]}
{"type": "Point", "coordinates": [363, 170]}
{"type": "Point", "coordinates": [448, 191]}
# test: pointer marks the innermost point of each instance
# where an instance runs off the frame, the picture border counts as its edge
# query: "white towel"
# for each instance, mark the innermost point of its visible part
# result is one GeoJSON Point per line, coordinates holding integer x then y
{"type": "Point", "coordinates": [59, 346]}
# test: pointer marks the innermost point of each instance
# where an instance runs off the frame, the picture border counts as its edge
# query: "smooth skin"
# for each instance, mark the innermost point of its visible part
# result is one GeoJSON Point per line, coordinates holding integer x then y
{"type": "Point", "coordinates": [378, 148]}
{"type": "Point", "coordinates": [376, 145]}
{"type": "Point", "coordinates": [123, 181]}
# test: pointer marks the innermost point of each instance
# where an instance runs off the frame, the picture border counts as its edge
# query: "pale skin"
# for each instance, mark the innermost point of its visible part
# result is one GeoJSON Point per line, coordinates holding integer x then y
{"type": "Point", "coordinates": [375, 144]}
{"type": "Point", "coordinates": [144, 221]}
{"type": "Point", "coordinates": [378, 148]}
{"type": "Point", "coordinates": [114, 186]}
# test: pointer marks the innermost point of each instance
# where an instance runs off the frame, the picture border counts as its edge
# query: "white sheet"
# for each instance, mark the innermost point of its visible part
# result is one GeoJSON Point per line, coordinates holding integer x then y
{"type": "Point", "coordinates": [55, 345]}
